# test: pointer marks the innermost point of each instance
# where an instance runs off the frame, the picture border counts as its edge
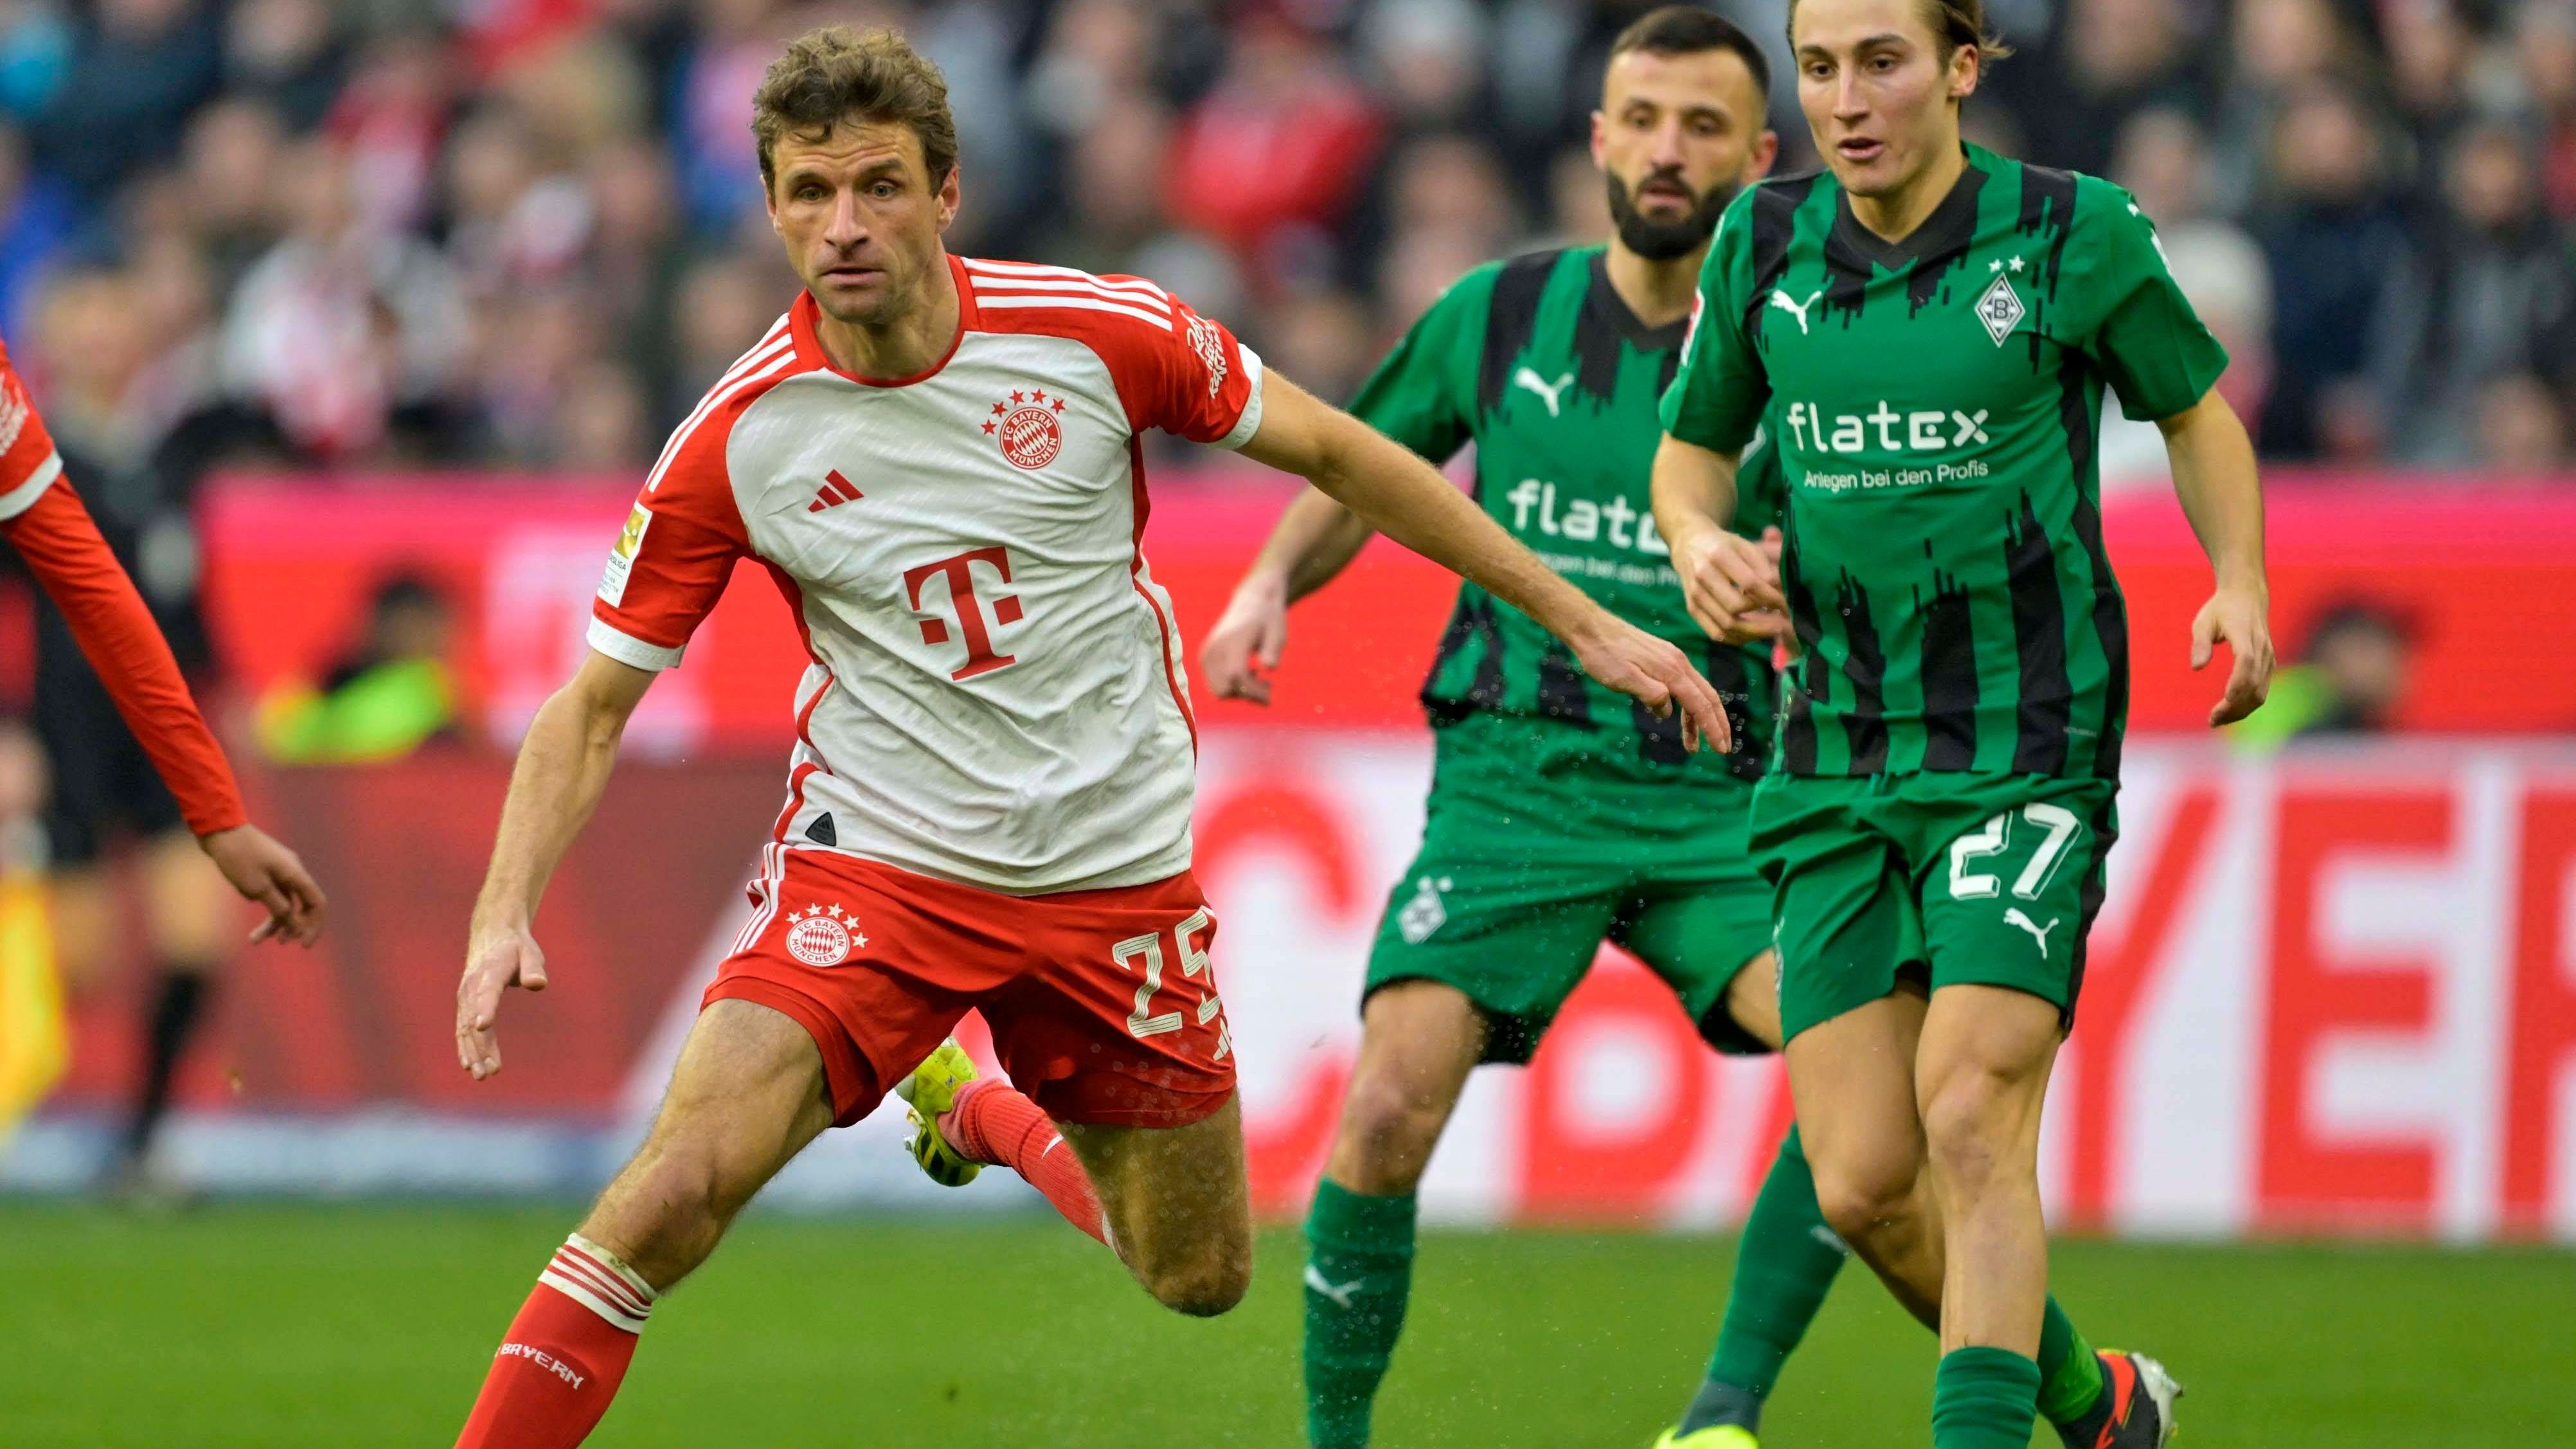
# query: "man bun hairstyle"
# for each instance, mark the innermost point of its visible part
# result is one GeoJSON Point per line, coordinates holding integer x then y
{"type": "Point", "coordinates": [837, 74]}
{"type": "Point", "coordinates": [1690, 30]}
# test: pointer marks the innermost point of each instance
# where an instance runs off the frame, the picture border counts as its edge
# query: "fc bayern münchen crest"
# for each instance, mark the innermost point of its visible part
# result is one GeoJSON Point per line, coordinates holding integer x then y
{"type": "Point", "coordinates": [821, 937]}
{"type": "Point", "coordinates": [1028, 428]}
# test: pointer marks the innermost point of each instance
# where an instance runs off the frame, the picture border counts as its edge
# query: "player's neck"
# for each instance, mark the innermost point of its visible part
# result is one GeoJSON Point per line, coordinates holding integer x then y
{"type": "Point", "coordinates": [1892, 215]}
{"type": "Point", "coordinates": [908, 346]}
{"type": "Point", "coordinates": [1659, 293]}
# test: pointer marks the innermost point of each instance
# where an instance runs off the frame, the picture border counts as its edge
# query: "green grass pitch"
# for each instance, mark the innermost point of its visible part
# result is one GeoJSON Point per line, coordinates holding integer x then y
{"type": "Point", "coordinates": [295, 1326]}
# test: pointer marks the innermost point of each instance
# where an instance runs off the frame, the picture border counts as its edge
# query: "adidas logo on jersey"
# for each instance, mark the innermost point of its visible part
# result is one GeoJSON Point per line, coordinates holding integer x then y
{"type": "Point", "coordinates": [14, 412]}
{"type": "Point", "coordinates": [836, 490]}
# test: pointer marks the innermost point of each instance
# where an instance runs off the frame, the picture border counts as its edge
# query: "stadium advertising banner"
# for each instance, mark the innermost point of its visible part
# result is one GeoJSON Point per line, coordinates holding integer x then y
{"type": "Point", "coordinates": [2332, 990]}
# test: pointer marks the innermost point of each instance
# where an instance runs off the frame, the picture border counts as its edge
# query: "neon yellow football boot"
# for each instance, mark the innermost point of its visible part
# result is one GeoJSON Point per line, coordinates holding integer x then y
{"type": "Point", "coordinates": [928, 1092]}
{"type": "Point", "coordinates": [1715, 1436]}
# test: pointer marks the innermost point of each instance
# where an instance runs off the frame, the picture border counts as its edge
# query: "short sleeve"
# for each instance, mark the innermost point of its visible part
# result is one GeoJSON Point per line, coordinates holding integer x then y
{"type": "Point", "coordinates": [673, 558]}
{"type": "Point", "coordinates": [1717, 395]}
{"type": "Point", "coordinates": [1423, 394]}
{"type": "Point", "coordinates": [2146, 339]}
{"type": "Point", "coordinates": [1195, 380]}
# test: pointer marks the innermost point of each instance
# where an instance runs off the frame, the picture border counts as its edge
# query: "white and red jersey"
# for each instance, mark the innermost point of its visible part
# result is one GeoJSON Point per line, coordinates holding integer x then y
{"type": "Point", "coordinates": [997, 694]}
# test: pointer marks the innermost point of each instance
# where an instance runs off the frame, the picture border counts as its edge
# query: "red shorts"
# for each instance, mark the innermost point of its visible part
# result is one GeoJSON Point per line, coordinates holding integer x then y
{"type": "Point", "coordinates": [1103, 1003]}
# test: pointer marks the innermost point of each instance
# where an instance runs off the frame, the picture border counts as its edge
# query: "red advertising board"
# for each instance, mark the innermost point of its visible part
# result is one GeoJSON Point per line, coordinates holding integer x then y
{"type": "Point", "coordinates": [2475, 572]}
{"type": "Point", "coordinates": [2330, 991]}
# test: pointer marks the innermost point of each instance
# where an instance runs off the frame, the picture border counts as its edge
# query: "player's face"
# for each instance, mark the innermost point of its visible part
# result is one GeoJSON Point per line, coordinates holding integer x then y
{"type": "Point", "coordinates": [1878, 92]}
{"type": "Point", "coordinates": [860, 218]}
{"type": "Point", "coordinates": [1677, 136]}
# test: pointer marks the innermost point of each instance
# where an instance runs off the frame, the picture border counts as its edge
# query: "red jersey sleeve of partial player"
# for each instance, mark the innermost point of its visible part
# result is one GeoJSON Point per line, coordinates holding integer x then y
{"type": "Point", "coordinates": [1190, 377]}
{"type": "Point", "coordinates": [671, 562]}
{"type": "Point", "coordinates": [116, 631]}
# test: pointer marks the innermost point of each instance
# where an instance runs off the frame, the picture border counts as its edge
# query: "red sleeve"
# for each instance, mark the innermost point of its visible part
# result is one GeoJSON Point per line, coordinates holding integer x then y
{"type": "Point", "coordinates": [1189, 377]}
{"type": "Point", "coordinates": [116, 631]}
{"type": "Point", "coordinates": [671, 562]}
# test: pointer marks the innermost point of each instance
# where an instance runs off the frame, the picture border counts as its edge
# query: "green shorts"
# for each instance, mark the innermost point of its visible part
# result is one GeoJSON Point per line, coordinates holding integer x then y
{"type": "Point", "coordinates": [1944, 878]}
{"type": "Point", "coordinates": [1524, 873]}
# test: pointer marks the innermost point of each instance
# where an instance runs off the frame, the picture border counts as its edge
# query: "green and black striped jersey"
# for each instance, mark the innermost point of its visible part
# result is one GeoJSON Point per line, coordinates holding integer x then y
{"type": "Point", "coordinates": [1539, 363]}
{"type": "Point", "coordinates": [1934, 406]}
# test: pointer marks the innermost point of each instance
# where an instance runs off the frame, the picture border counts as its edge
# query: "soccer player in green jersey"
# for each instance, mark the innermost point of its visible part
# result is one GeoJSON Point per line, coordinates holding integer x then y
{"type": "Point", "coordinates": [1928, 329]}
{"type": "Point", "coordinates": [1558, 815]}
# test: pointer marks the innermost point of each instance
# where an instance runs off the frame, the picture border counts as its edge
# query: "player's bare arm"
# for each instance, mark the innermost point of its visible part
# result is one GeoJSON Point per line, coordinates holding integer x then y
{"type": "Point", "coordinates": [1315, 540]}
{"type": "Point", "coordinates": [1406, 499]}
{"type": "Point", "coordinates": [2222, 495]}
{"type": "Point", "coordinates": [1730, 583]}
{"type": "Point", "coordinates": [563, 767]}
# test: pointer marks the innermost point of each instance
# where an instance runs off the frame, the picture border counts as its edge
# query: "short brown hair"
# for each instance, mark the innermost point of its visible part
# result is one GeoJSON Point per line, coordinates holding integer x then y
{"type": "Point", "coordinates": [1690, 30]}
{"type": "Point", "coordinates": [837, 74]}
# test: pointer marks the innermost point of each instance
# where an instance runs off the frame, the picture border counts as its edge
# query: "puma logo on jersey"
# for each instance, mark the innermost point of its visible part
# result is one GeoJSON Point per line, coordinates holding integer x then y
{"type": "Point", "coordinates": [836, 490]}
{"type": "Point", "coordinates": [1340, 1293]}
{"type": "Point", "coordinates": [1798, 310]}
{"type": "Point", "coordinates": [1537, 384]}
{"type": "Point", "coordinates": [2038, 932]}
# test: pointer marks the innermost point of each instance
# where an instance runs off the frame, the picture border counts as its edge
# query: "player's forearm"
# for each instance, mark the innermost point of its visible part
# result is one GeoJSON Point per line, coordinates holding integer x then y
{"type": "Point", "coordinates": [1316, 539]}
{"type": "Point", "coordinates": [2221, 491]}
{"type": "Point", "coordinates": [1393, 490]}
{"type": "Point", "coordinates": [563, 769]}
{"type": "Point", "coordinates": [1693, 490]}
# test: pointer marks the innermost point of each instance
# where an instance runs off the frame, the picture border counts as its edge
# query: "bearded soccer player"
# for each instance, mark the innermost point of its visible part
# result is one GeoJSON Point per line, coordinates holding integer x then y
{"type": "Point", "coordinates": [1927, 329]}
{"type": "Point", "coordinates": [1559, 816]}
{"type": "Point", "coordinates": [42, 518]}
{"type": "Point", "coordinates": [988, 806]}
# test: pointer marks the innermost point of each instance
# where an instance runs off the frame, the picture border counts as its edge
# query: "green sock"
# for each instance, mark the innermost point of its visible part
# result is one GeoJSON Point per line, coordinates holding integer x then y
{"type": "Point", "coordinates": [1984, 1398]}
{"type": "Point", "coordinates": [2070, 1377]}
{"type": "Point", "coordinates": [1786, 1261]}
{"type": "Point", "coordinates": [1359, 1269]}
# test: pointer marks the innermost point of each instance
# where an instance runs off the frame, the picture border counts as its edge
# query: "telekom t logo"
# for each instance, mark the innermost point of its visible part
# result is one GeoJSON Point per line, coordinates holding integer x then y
{"type": "Point", "coordinates": [960, 572]}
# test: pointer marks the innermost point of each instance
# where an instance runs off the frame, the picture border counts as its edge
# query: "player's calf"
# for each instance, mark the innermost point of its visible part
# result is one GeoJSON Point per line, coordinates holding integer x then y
{"type": "Point", "coordinates": [746, 1096]}
{"type": "Point", "coordinates": [1178, 1206]}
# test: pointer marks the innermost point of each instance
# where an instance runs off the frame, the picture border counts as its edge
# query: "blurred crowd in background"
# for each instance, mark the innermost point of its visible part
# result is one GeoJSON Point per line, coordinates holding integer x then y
{"type": "Point", "coordinates": [526, 233]}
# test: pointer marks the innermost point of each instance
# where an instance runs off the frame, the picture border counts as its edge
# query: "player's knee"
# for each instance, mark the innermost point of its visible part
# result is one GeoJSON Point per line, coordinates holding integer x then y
{"type": "Point", "coordinates": [1862, 1200]}
{"type": "Point", "coordinates": [669, 1208]}
{"type": "Point", "coordinates": [1972, 1119]}
{"type": "Point", "coordinates": [1388, 1132]}
{"type": "Point", "coordinates": [1202, 1284]}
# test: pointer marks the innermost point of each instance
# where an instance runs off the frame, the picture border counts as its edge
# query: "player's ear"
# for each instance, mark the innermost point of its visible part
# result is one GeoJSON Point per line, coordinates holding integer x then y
{"type": "Point", "coordinates": [1967, 66]}
{"type": "Point", "coordinates": [1766, 151]}
{"type": "Point", "coordinates": [1600, 128]}
{"type": "Point", "coordinates": [948, 197]}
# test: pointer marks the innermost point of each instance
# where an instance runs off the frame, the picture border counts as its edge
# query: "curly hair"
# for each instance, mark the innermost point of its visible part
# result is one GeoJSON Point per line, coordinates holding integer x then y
{"type": "Point", "coordinates": [838, 74]}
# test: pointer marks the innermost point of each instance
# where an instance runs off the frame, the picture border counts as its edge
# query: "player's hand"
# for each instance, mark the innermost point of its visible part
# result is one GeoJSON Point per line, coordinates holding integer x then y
{"type": "Point", "coordinates": [1656, 673]}
{"type": "Point", "coordinates": [269, 873]}
{"type": "Point", "coordinates": [1248, 639]}
{"type": "Point", "coordinates": [2237, 617]}
{"type": "Point", "coordinates": [495, 960]}
{"type": "Point", "coordinates": [1726, 576]}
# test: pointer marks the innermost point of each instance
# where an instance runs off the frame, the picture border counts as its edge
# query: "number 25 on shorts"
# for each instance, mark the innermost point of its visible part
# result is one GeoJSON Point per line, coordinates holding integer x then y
{"type": "Point", "coordinates": [1147, 951]}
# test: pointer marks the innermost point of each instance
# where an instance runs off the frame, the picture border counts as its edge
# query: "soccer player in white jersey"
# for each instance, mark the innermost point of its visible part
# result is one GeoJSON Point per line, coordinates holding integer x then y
{"type": "Point", "coordinates": [988, 805]}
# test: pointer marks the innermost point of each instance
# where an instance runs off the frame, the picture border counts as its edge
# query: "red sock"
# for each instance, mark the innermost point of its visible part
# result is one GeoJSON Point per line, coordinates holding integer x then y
{"type": "Point", "coordinates": [992, 1123]}
{"type": "Point", "coordinates": [564, 1355]}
